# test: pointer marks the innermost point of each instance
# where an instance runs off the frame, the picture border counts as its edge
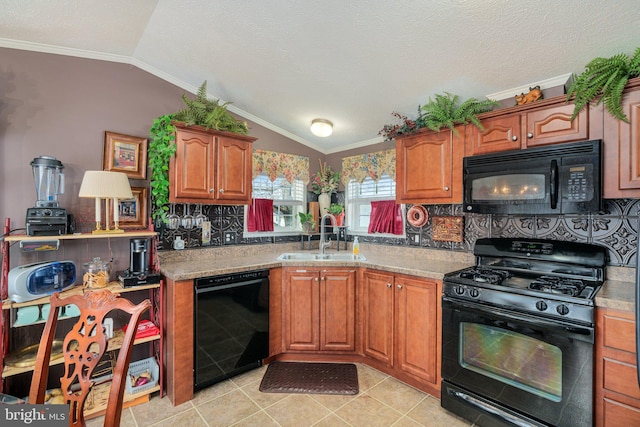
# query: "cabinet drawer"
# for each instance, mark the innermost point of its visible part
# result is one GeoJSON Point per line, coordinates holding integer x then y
{"type": "Point", "coordinates": [621, 378]}
{"type": "Point", "coordinates": [619, 333]}
{"type": "Point", "coordinates": [617, 414]}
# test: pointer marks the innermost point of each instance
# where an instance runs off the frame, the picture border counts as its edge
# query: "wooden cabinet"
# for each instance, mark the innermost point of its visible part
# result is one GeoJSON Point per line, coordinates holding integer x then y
{"type": "Point", "coordinates": [540, 124]}
{"type": "Point", "coordinates": [429, 167]}
{"type": "Point", "coordinates": [210, 167]}
{"type": "Point", "coordinates": [617, 394]}
{"type": "Point", "coordinates": [319, 309]}
{"type": "Point", "coordinates": [401, 325]}
{"type": "Point", "coordinates": [622, 148]}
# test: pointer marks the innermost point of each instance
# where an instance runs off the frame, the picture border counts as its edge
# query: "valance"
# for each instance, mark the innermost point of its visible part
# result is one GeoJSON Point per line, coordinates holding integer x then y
{"type": "Point", "coordinates": [274, 164]}
{"type": "Point", "coordinates": [372, 165]}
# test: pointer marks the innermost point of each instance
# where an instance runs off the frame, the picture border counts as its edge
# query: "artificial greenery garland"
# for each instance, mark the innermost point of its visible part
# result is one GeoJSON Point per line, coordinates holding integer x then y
{"type": "Point", "coordinates": [604, 79]}
{"type": "Point", "coordinates": [161, 147]}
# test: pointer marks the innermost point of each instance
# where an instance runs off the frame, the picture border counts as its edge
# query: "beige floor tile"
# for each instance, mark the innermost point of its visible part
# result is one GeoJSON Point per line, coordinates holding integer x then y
{"type": "Point", "coordinates": [263, 400]}
{"type": "Point", "coordinates": [227, 409]}
{"type": "Point", "coordinates": [297, 410]}
{"type": "Point", "coordinates": [408, 422]}
{"type": "Point", "coordinates": [368, 377]}
{"type": "Point", "coordinates": [259, 419]}
{"type": "Point", "coordinates": [333, 401]}
{"type": "Point", "coordinates": [430, 413]}
{"type": "Point", "coordinates": [157, 409]}
{"type": "Point", "coordinates": [190, 418]}
{"type": "Point", "coordinates": [367, 411]}
{"type": "Point", "coordinates": [332, 421]}
{"type": "Point", "coordinates": [249, 377]}
{"type": "Point", "coordinates": [213, 392]}
{"type": "Point", "coordinates": [396, 394]}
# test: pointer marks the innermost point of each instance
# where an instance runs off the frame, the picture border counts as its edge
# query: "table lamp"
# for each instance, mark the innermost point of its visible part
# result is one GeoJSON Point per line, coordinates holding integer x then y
{"type": "Point", "coordinates": [106, 185]}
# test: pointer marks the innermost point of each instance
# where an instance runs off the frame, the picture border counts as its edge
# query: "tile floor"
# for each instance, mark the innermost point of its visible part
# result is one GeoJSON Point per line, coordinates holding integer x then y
{"type": "Point", "coordinates": [382, 401]}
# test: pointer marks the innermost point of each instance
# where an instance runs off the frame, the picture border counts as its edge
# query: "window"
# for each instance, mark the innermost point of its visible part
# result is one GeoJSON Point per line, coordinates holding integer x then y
{"type": "Point", "coordinates": [288, 200]}
{"type": "Point", "coordinates": [358, 201]}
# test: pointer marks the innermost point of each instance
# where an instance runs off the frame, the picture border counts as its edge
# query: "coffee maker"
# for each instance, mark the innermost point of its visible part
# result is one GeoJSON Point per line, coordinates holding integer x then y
{"type": "Point", "coordinates": [138, 272]}
{"type": "Point", "coordinates": [47, 218]}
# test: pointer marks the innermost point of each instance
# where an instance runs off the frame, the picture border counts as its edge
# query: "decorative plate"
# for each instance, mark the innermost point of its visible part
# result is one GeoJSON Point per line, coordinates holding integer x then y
{"type": "Point", "coordinates": [417, 216]}
{"type": "Point", "coordinates": [26, 357]}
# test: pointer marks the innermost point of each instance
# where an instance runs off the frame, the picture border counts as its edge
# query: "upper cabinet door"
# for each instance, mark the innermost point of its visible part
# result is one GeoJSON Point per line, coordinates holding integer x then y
{"type": "Point", "coordinates": [233, 171]}
{"type": "Point", "coordinates": [500, 134]}
{"type": "Point", "coordinates": [429, 167]}
{"type": "Point", "coordinates": [192, 166]}
{"type": "Point", "coordinates": [553, 125]}
{"type": "Point", "coordinates": [622, 149]}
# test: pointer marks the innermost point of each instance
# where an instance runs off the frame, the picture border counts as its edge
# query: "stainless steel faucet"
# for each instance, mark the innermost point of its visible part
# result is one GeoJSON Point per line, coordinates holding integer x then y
{"type": "Point", "coordinates": [324, 244]}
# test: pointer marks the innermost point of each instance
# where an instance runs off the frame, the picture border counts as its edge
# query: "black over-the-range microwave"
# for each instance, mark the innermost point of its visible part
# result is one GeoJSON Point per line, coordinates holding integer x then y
{"type": "Point", "coordinates": [554, 179]}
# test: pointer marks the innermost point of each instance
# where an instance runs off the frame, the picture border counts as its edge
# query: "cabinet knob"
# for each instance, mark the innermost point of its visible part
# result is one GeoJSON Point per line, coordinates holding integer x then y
{"type": "Point", "coordinates": [211, 190]}
{"type": "Point", "coordinates": [529, 135]}
{"type": "Point", "coordinates": [399, 286]}
{"type": "Point", "coordinates": [446, 188]}
{"type": "Point", "coordinates": [221, 191]}
{"type": "Point", "coordinates": [316, 279]}
{"type": "Point", "coordinates": [388, 285]}
{"type": "Point", "coordinates": [514, 138]}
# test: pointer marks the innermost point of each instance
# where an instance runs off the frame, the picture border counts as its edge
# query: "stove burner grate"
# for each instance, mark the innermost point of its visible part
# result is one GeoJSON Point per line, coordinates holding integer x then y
{"type": "Point", "coordinates": [485, 275]}
{"type": "Point", "coordinates": [557, 285]}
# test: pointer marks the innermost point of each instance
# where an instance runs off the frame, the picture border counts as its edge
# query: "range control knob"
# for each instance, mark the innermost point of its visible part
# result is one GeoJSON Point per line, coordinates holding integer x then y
{"type": "Point", "coordinates": [541, 306]}
{"type": "Point", "coordinates": [474, 293]}
{"type": "Point", "coordinates": [46, 212]}
{"type": "Point", "coordinates": [459, 290]}
{"type": "Point", "coordinates": [562, 309]}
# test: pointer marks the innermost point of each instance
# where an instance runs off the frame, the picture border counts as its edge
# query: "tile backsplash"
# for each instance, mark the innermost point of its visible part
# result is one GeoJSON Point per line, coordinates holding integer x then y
{"type": "Point", "coordinates": [615, 228]}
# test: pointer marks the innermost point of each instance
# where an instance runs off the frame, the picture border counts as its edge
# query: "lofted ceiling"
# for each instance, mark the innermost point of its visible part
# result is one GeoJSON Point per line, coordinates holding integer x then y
{"type": "Point", "coordinates": [283, 63]}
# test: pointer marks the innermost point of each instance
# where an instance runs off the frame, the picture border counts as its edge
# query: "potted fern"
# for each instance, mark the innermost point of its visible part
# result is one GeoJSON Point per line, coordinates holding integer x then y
{"type": "Point", "coordinates": [604, 80]}
{"type": "Point", "coordinates": [445, 111]}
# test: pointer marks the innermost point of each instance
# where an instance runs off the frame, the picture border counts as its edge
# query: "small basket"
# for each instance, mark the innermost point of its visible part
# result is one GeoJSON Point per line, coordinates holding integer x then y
{"type": "Point", "coordinates": [136, 368]}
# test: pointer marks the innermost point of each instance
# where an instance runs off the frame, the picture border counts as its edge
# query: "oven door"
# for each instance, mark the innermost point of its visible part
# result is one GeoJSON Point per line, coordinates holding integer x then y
{"type": "Point", "coordinates": [506, 368]}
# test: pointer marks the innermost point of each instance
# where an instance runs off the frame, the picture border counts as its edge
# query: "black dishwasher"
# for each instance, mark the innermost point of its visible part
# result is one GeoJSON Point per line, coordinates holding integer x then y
{"type": "Point", "coordinates": [231, 330]}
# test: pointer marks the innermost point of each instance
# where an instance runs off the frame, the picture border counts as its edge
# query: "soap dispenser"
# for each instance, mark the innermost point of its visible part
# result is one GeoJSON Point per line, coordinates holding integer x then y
{"type": "Point", "coordinates": [356, 246]}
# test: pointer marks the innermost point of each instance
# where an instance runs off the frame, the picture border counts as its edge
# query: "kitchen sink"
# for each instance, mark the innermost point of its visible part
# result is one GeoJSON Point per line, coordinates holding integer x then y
{"type": "Point", "coordinates": [308, 256]}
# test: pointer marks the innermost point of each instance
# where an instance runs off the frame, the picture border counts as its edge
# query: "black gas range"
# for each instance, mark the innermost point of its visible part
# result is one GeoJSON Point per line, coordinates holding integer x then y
{"type": "Point", "coordinates": [554, 279]}
{"type": "Point", "coordinates": [518, 333]}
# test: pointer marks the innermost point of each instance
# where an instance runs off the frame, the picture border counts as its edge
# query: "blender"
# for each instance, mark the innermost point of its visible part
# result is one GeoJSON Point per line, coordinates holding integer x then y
{"type": "Point", "coordinates": [47, 218]}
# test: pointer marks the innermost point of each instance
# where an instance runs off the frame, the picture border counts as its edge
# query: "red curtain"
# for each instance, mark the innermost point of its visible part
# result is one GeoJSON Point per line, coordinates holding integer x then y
{"type": "Point", "coordinates": [386, 217]}
{"type": "Point", "coordinates": [260, 215]}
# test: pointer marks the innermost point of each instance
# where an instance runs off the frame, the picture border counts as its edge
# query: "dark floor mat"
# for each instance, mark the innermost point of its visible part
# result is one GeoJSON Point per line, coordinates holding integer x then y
{"type": "Point", "coordinates": [314, 378]}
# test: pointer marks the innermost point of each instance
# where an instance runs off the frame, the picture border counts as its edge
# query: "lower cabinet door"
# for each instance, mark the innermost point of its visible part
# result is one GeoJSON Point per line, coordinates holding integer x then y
{"type": "Point", "coordinates": [378, 316]}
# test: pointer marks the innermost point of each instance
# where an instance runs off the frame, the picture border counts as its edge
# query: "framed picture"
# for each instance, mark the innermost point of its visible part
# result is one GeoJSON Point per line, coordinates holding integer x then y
{"type": "Point", "coordinates": [124, 153]}
{"type": "Point", "coordinates": [133, 212]}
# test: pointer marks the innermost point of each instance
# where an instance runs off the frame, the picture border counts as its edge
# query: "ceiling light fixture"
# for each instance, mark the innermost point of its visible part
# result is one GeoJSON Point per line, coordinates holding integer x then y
{"type": "Point", "coordinates": [321, 127]}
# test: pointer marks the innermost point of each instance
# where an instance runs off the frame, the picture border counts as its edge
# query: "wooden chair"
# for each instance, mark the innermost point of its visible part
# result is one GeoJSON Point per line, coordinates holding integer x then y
{"type": "Point", "coordinates": [83, 347]}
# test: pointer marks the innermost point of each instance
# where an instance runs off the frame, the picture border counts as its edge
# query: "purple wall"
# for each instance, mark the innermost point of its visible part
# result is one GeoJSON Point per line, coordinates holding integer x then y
{"type": "Point", "coordinates": [61, 106]}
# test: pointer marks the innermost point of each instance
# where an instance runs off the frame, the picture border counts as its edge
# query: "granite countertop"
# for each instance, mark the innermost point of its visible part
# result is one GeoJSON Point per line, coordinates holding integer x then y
{"type": "Point", "coordinates": [617, 292]}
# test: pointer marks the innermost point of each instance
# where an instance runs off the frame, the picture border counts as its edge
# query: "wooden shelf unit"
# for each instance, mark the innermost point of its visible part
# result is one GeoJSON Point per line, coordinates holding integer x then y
{"type": "Point", "coordinates": [100, 391]}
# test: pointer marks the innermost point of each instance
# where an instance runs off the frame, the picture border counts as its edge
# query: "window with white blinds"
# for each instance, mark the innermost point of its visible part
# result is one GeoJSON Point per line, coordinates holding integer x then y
{"type": "Point", "coordinates": [288, 199]}
{"type": "Point", "coordinates": [358, 198]}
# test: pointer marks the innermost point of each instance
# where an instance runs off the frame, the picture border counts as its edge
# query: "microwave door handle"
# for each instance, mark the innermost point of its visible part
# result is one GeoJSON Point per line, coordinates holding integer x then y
{"type": "Point", "coordinates": [553, 178]}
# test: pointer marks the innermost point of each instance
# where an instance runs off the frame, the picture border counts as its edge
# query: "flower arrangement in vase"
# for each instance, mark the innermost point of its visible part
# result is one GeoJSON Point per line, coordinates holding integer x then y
{"type": "Point", "coordinates": [324, 183]}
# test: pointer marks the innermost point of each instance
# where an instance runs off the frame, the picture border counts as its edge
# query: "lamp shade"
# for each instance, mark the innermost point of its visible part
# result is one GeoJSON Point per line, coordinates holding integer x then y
{"type": "Point", "coordinates": [104, 184]}
{"type": "Point", "coordinates": [321, 127]}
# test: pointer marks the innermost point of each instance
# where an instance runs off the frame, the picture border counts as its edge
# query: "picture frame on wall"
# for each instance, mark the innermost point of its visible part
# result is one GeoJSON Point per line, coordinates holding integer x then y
{"type": "Point", "coordinates": [125, 153]}
{"type": "Point", "coordinates": [133, 212]}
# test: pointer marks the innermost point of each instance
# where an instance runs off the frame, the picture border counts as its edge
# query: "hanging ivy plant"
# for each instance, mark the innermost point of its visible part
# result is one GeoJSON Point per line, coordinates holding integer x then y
{"type": "Point", "coordinates": [161, 147]}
